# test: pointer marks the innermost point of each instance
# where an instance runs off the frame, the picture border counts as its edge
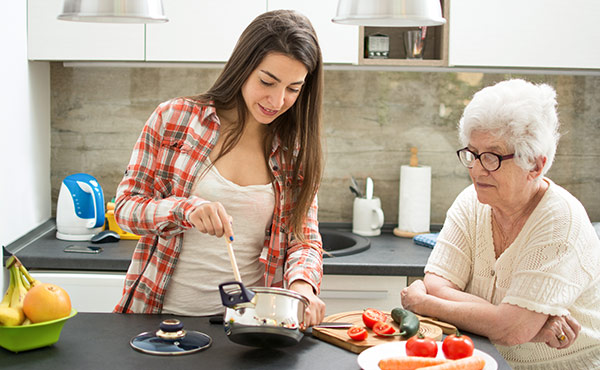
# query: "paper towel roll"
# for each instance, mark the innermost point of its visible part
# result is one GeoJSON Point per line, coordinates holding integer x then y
{"type": "Point", "coordinates": [415, 200]}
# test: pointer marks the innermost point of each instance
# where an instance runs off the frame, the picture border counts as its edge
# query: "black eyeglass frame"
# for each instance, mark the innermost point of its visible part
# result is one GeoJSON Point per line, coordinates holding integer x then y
{"type": "Point", "coordinates": [478, 156]}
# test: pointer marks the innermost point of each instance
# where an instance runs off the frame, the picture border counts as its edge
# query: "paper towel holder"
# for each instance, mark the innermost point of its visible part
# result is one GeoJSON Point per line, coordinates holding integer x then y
{"type": "Point", "coordinates": [414, 162]}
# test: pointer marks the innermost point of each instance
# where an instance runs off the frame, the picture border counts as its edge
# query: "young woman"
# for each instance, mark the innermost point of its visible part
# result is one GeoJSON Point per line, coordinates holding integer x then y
{"type": "Point", "coordinates": [242, 161]}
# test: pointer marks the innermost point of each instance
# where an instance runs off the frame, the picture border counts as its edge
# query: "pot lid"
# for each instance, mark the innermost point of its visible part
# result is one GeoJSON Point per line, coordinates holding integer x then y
{"type": "Point", "coordinates": [171, 339]}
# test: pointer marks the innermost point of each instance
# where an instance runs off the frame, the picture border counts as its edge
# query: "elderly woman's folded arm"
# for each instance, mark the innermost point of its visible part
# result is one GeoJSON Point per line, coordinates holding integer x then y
{"type": "Point", "coordinates": [503, 324]}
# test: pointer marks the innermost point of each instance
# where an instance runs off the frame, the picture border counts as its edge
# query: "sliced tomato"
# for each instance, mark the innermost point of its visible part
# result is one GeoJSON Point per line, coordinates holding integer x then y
{"type": "Point", "coordinates": [358, 333]}
{"type": "Point", "coordinates": [370, 316]}
{"type": "Point", "coordinates": [421, 346]}
{"type": "Point", "coordinates": [383, 328]}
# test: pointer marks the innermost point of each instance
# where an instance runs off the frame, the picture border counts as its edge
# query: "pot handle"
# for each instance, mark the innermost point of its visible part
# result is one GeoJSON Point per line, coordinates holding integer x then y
{"type": "Point", "coordinates": [232, 300]}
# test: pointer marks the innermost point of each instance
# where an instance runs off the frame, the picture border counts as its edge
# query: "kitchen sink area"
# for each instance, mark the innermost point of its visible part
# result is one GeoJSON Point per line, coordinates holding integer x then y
{"type": "Point", "coordinates": [338, 243]}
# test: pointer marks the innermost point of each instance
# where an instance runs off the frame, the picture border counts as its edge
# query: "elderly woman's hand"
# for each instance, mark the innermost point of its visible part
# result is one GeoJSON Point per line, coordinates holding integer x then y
{"type": "Point", "coordinates": [413, 295]}
{"type": "Point", "coordinates": [558, 331]}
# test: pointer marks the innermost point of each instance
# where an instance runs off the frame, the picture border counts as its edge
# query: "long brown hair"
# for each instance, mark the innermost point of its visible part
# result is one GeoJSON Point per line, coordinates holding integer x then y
{"type": "Point", "coordinates": [290, 33]}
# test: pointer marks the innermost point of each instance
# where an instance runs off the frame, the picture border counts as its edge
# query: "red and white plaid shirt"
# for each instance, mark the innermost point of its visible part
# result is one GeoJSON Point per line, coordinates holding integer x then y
{"type": "Point", "coordinates": [154, 201]}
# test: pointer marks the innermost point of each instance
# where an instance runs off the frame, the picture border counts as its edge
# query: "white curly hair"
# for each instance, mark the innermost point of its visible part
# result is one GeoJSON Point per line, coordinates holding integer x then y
{"type": "Point", "coordinates": [521, 114]}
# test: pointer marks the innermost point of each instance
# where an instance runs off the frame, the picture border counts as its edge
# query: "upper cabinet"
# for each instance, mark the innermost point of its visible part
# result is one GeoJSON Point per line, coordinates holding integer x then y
{"type": "Point", "coordinates": [197, 31]}
{"type": "Point", "coordinates": [506, 34]}
{"type": "Point", "coordinates": [339, 43]}
{"type": "Point", "coordinates": [200, 30]}
{"type": "Point", "coordinates": [531, 33]}
{"type": "Point", "coordinates": [51, 39]}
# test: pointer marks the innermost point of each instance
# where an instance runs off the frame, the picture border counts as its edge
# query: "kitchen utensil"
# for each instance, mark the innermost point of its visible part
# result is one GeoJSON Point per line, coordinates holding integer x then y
{"type": "Point", "coordinates": [354, 191]}
{"type": "Point", "coordinates": [80, 208]}
{"type": "Point", "coordinates": [341, 339]}
{"type": "Point", "coordinates": [271, 319]}
{"type": "Point", "coordinates": [367, 216]}
{"type": "Point", "coordinates": [369, 188]}
{"type": "Point", "coordinates": [218, 319]}
{"type": "Point", "coordinates": [369, 359]}
{"type": "Point", "coordinates": [234, 266]}
{"type": "Point", "coordinates": [170, 339]}
{"type": "Point", "coordinates": [354, 185]}
{"type": "Point", "coordinates": [27, 337]}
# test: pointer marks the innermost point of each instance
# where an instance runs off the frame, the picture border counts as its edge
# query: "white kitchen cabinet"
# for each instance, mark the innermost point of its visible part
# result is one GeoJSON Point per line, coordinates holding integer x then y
{"type": "Point", "coordinates": [339, 43]}
{"type": "Point", "coordinates": [89, 292]}
{"type": "Point", "coordinates": [517, 33]}
{"type": "Point", "coordinates": [343, 293]}
{"type": "Point", "coordinates": [200, 30]}
{"type": "Point", "coordinates": [51, 39]}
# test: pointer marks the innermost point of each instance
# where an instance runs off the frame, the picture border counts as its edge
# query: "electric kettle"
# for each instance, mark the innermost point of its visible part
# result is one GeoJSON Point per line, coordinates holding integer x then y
{"type": "Point", "coordinates": [80, 208]}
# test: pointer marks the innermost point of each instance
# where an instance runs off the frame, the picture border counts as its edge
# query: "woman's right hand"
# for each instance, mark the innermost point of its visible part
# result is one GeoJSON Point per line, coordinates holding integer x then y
{"type": "Point", "coordinates": [211, 218]}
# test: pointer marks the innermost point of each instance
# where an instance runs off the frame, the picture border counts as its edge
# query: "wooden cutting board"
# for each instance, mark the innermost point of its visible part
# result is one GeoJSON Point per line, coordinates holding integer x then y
{"type": "Point", "coordinates": [340, 338]}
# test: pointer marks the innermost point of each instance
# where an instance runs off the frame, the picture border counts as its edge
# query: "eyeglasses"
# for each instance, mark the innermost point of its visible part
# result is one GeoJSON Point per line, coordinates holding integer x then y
{"type": "Point", "coordinates": [490, 161]}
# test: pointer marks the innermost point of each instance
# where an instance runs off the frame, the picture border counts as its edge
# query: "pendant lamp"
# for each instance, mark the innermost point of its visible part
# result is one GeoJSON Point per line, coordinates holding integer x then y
{"type": "Point", "coordinates": [113, 11]}
{"type": "Point", "coordinates": [390, 13]}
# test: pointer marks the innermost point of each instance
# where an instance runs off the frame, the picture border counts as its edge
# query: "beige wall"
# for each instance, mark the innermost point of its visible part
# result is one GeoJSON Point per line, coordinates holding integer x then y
{"type": "Point", "coordinates": [371, 119]}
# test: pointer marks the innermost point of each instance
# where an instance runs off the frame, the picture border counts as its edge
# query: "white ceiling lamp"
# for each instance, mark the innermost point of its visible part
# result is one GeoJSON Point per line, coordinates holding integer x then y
{"type": "Point", "coordinates": [113, 11]}
{"type": "Point", "coordinates": [390, 13]}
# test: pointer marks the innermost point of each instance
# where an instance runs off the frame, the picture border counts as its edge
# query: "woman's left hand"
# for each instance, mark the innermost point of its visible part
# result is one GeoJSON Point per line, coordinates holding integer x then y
{"type": "Point", "coordinates": [315, 312]}
{"type": "Point", "coordinates": [558, 331]}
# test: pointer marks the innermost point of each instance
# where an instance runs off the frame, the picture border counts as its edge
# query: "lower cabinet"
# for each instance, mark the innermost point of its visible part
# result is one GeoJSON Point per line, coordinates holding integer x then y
{"type": "Point", "coordinates": [89, 292]}
{"type": "Point", "coordinates": [100, 291]}
{"type": "Point", "coordinates": [357, 292]}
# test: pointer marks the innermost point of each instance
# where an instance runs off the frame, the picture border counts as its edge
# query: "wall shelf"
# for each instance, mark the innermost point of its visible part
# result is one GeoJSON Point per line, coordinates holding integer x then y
{"type": "Point", "coordinates": [436, 44]}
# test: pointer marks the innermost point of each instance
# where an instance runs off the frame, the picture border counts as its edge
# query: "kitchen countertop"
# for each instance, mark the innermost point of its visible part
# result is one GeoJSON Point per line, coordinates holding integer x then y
{"type": "Point", "coordinates": [94, 341]}
{"type": "Point", "coordinates": [388, 255]}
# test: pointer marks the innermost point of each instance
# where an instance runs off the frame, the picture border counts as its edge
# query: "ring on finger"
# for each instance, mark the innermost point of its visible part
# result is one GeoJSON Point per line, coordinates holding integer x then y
{"type": "Point", "coordinates": [562, 337]}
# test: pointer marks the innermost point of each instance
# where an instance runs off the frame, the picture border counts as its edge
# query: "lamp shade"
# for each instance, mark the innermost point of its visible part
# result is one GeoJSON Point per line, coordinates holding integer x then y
{"type": "Point", "coordinates": [390, 13]}
{"type": "Point", "coordinates": [113, 11]}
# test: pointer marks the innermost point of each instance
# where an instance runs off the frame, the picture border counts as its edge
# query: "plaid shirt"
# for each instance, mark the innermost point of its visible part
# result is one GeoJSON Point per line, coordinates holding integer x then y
{"type": "Point", "coordinates": [154, 201]}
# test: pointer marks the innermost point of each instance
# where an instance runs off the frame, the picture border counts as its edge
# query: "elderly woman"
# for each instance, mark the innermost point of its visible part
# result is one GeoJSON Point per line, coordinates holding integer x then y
{"type": "Point", "coordinates": [517, 260]}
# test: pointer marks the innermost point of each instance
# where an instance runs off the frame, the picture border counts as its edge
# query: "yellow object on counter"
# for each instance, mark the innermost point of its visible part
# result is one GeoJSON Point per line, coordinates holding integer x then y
{"type": "Point", "coordinates": [112, 224]}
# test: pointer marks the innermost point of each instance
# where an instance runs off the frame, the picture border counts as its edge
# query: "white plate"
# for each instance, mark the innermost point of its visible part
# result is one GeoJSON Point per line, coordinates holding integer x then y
{"type": "Point", "coordinates": [369, 358]}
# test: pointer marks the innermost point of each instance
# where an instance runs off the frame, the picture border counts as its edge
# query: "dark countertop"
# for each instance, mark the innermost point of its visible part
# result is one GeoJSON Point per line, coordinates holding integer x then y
{"type": "Point", "coordinates": [388, 255]}
{"type": "Point", "coordinates": [95, 341]}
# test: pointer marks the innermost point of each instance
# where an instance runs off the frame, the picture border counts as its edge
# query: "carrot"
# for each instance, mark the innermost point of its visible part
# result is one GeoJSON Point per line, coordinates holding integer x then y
{"type": "Point", "coordinates": [467, 363]}
{"type": "Point", "coordinates": [408, 362]}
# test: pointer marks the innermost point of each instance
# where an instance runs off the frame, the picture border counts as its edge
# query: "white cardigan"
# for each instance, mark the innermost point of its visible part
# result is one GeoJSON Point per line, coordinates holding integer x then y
{"type": "Point", "coordinates": [553, 266]}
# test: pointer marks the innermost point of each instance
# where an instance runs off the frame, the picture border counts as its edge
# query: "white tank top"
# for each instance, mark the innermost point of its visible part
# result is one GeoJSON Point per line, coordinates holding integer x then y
{"type": "Point", "coordinates": [204, 262]}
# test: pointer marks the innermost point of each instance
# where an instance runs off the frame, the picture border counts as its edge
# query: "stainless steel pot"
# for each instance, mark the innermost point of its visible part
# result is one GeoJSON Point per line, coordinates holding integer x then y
{"type": "Point", "coordinates": [262, 317]}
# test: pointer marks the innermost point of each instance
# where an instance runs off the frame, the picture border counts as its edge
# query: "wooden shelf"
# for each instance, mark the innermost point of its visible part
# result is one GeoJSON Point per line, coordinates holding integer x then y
{"type": "Point", "coordinates": [436, 45]}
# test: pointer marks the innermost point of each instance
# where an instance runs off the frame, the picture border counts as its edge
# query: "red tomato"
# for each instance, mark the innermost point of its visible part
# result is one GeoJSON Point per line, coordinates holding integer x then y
{"type": "Point", "coordinates": [370, 316]}
{"type": "Point", "coordinates": [457, 346]}
{"type": "Point", "coordinates": [383, 329]}
{"type": "Point", "coordinates": [421, 346]}
{"type": "Point", "coordinates": [358, 333]}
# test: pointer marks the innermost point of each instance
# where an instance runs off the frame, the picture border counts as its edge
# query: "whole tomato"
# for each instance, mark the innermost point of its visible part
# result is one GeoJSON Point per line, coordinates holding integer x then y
{"type": "Point", "coordinates": [370, 316]}
{"type": "Point", "coordinates": [457, 346]}
{"type": "Point", "coordinates": [358, 333]}
{"type": "Point", "coordinates": [383, 329]}
{"type": "Point", "coordinates": [421, 346]}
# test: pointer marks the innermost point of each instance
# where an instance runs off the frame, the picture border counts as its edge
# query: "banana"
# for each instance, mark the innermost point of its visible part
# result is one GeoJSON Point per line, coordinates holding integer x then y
{"type": "Point", "coordinates": [12, 315]}
{"type": "Point", "coordinates": [32, 281]}
{"type": "Point", "coordinates": [8, 295]}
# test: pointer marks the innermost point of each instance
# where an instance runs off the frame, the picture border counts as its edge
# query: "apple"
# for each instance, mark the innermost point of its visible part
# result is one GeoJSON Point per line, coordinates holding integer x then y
{"type": "Point", "coordinates": [45, 302]}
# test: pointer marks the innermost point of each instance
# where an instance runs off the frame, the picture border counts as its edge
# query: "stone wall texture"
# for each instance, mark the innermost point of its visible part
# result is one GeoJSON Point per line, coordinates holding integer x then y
{"type": "Point", "coordinates": [371, 119]}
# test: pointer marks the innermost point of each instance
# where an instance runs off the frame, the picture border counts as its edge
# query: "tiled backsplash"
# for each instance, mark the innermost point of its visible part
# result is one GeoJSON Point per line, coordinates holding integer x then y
{"type": "Point", "coordinates": [371, 120]}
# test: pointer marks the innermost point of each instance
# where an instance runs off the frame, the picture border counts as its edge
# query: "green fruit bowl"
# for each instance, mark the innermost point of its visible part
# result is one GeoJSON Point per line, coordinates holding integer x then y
{"type": "Point", "coordinates": [24, 338]}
